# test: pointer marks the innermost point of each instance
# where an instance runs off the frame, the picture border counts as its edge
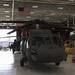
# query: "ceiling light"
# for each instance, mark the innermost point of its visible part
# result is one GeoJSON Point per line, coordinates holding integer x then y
{"type": "Point", "coordinates": [73, 14]}
{"type": "Point", "coordinates": [4, 23]}
{"type": "Point", "coordinates": [53, 28]}
{"type": "Point", "coordinates": [60, 8]}
{"type": "Point", "coordinates": [65, 18]}
{"type": "Point", "coordinates": [34, 6]}
{"type": "Point", "coordinates": [6, 11]}
{"type": "Point", "coordinates": [5, 4]}
{"type": "Point", "coordinates": [47, 18]}
{"type": "Point", "coordinates": [31, 12]}
{"type": "Point", "coordinates": [70, 0]}
{"type": "Point", "coordinates": [28, 17]}
{"type": "Point", "coordinates": [8, 27]}
{"type": "Point", "coordinates": [52, 13]}
{"type": "Point", "coordinates": [7, 16]}
{"type": "Point", "coordinates": [66, 30]}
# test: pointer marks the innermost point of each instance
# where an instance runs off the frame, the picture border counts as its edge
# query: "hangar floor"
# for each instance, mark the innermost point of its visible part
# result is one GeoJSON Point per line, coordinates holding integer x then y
{"type": "Point", "coordinates": [9, 65]}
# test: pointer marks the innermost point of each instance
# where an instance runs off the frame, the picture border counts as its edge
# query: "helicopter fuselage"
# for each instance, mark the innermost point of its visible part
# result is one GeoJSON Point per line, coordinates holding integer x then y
{"type": "Point", "coordinates": [43, 46]}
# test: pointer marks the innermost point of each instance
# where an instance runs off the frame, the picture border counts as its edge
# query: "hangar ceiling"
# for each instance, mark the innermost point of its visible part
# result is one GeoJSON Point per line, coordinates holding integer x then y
{"type": "Point", "coordinates": [50, 10]}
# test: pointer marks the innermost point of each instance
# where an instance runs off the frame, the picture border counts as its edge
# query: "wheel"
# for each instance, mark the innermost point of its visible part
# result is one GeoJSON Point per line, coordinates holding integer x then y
{"type": "Point", "coordinates": [22, 62]}
{"type": "Point", "coordinates": [66, 57]}
{"type": "Point", "coordinates": [57, 63]}
{"type": "Point", "coordinates": [25, 59]}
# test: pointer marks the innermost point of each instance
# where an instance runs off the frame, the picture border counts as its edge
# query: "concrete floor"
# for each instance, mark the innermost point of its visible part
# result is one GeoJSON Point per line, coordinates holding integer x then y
{"type": "Point", "coordinates": [9, 65]}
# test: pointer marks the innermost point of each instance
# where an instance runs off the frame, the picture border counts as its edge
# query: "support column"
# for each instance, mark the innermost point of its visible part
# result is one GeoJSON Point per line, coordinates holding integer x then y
{"type": "Point", "coordinates": [13, 10]}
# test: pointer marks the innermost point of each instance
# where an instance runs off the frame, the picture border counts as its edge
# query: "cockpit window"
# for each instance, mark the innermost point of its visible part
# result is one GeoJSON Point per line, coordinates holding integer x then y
{"type": "Point", "coordinates": [57, 41]}
{"type": "Point", "coordinates": [47, 40]}
{"type": "Point", "coordinates": [37, 41]}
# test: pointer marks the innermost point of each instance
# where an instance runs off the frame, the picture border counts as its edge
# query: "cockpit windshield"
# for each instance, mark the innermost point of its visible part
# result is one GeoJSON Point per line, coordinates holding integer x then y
{"type": "Point", "coordinates": [48, 40]}
{"type": "Point", "coordinates": [37, 41]}
{"type": "Point", "coordinates": [57, 41]}
{"type": "Point", "coordinates": [41, 40]}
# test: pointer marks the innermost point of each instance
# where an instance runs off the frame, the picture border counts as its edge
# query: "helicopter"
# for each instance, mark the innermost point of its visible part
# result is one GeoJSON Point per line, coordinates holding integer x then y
{"type": "Point", "coordinates": [40, 45]}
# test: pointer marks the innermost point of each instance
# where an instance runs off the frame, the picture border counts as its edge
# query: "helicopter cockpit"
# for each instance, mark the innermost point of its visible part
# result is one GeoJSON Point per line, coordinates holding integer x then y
{"type": "Point", "coordinates": [37, 41]}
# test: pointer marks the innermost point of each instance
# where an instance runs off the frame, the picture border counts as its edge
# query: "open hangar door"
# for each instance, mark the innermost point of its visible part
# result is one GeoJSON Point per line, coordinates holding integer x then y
{"type": "Point", "coordinates": [4, 37]}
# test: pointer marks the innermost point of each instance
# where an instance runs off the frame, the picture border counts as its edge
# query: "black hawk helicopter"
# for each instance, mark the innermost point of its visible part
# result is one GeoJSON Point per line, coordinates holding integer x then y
{"type": "Point", "coordinates": [40, 45]}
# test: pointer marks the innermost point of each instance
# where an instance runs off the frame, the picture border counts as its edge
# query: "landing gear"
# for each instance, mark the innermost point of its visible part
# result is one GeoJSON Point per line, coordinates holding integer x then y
{"type": "Point", "coordinates": [22, 61]}
{"type": "Point", "coordinates": [57, 63]}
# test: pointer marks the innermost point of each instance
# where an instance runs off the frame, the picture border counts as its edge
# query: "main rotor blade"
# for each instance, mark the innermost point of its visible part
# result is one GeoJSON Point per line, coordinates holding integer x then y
{"type": "Point", "coordinates": [7, 37]}
{"type": "Point", "coordinates": [21, 27]}
{"type": "Point", "coordinates": [12, 31]}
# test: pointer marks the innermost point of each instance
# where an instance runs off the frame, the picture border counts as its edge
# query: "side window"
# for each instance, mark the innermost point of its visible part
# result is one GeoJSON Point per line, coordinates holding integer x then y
{"type": "Point", "coordinates": [57, 41]}
{"type": "Point", "coordinates": [48, 40]}
{"type": "Point", "coordinates": [37, 41]}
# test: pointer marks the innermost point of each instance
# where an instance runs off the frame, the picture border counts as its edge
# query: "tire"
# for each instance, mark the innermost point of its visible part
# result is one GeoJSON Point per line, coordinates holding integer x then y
{"type": "Point", "coordinates": [65, 58]}
{"type": "Point", "coordinates": [57, 63]}
{"type": "Point", "coordinates": [22, 62]}
{"type": "Point", "coordinates": [25, 59]}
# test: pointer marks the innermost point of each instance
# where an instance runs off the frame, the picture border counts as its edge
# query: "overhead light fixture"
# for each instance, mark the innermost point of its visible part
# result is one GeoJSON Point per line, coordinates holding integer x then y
{"type": "Point", "coordinates": [8, 27]}
{"type": "Point", "coordinates": [4, 23]}
{"type": "Point", "coordinates": [6, 11]}
{"type": "Point", "coordinates": [28, 17]}
{"type": "Point", "coordinates": [5, 4]}
{"type": "Point", "coordinates": [70, 0]}
{"type": "Point", "coordinates": [52, 13]}
{"type": "Point", "coordinates": [60, 8]}
{"type": "Point", "coordinates": [53, 28]}
{"type": "Point", "coordinates": [65, 18]}
{"type": "Point", "coordinates": [47, 18]}
{"type": "Point", "coordinates": [31, 12]}
{"type": "Point", "coordinates": [34, 6]}
{"type": "Point", "coordinates": [73, 14]}
{"type": "Point", "coordinates": [7, 16]}
{"type": "Point", "coordinates": [66, 30]}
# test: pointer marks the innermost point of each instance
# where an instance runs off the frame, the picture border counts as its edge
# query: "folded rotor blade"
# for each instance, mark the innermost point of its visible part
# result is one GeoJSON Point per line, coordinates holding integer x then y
{"type": "Point", "coordinates": [20, 28]}
{"type": "Point", "coordinates": [7, 37]}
